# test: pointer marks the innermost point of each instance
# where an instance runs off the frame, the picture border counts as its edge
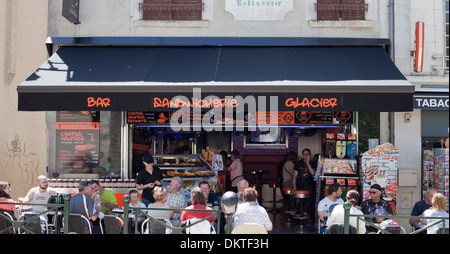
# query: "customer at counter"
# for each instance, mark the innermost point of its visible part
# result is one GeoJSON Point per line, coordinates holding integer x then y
{"type": "Point", "coordinates": [148, 179]}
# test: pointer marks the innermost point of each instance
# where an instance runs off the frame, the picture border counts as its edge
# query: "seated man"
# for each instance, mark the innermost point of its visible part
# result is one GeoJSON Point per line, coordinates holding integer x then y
{"type": "Point", "coordinates": [212, 200]}
{"type": "Point", "coordinates": [83, 204]}
{"type": "Point", "coordinates": [105, 197]}
{"type": "Point", "coordinates": [40, 194]}
{"type": "Point", "coordinates": [327, 204]}
{"type": "Point", "coordinates": [375, 206]}
{"type": "Point", "coordinates": [420, 207]}
{"type": "Point", "coordinates": [176, 198]}
{"type": "Point", "coordinates": [241, 185]}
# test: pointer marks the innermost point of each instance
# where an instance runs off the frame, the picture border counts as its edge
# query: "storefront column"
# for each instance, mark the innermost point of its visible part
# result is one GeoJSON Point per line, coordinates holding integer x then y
{"type": "Point", "coordinates": [408, 142]}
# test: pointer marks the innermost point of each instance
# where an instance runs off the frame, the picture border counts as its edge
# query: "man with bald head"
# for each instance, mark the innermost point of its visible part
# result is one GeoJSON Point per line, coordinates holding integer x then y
{"type": "Point", "coordinates": [40, 194]}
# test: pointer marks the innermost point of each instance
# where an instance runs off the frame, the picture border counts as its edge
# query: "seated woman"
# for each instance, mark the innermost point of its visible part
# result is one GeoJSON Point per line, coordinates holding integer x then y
{"type": "Point", "coordinates": [337, 216]}
{"type": "Point", "coordinates": [438, 209]}
{"type": "Point", "coordinates": [5, 189]}
{"type": "Point", "coordinates": [198, 203]}
{"type": "Point", "coordinates": [251, 212]}
{"type": "Point", "coordinates": [160, 196]}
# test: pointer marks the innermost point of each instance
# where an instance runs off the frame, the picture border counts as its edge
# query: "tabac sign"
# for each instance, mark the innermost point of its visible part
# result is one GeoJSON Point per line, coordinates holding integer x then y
{"type": "Point", "coordinates": [254, 10]}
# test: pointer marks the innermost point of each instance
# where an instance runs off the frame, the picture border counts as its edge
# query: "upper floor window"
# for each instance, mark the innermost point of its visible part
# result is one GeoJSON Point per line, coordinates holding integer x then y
{"type": "Point", "coordinates": [341, 9]}
{"type": "Point", "coordinates": [172, 9]}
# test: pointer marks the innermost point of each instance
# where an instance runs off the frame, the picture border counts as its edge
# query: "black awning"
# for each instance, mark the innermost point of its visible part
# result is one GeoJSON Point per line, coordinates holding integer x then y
{"type": "Point", "coordinates": [144, 78]}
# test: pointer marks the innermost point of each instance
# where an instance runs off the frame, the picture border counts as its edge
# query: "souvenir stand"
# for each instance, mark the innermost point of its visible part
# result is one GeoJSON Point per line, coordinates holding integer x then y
{"type": "Point", "coordinates": [436, 171]}
{"type": "Point", "coordinates": [340, 164]}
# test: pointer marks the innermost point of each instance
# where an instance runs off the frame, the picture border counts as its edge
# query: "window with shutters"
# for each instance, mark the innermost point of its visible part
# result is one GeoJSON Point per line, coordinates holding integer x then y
{"type": "Point", "coordinates": [341, 9]}
{"type": "Point", "coordinates": [171, 9]}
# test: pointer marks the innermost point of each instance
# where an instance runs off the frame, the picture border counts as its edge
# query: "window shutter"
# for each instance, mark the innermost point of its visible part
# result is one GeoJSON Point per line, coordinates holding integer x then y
{"type": "Point", "coordinates": [172, 9]}
{"type": "Point", "coordinates": [341, 9]}
{"type": "Point", "coordinates": [328, 9]}
{"type": "Point", "coordinates": [187, 10]}
{"type": "Point", "coordinates": [353, 10]}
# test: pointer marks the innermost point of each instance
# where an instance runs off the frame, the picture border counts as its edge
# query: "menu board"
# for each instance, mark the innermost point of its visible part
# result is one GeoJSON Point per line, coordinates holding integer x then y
{"type": "Point", "coordinates": [77, 141]}
{"type": "Point", "coordinates": [283, 117]}
{"type": "Point", "coordinates": [338, 166]}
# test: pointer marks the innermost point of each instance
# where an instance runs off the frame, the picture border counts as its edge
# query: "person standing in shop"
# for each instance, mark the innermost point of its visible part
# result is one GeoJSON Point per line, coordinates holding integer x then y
{"type": "Point", "coordinates": [236, 170]}
{"type": "Point", "coordinates": [304, 171]}
{"type": "Point", "coordinates": [148, 179]}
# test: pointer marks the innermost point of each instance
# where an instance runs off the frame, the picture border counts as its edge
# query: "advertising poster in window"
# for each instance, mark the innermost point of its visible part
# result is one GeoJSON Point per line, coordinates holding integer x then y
{"type": "Point", "coordinates": [77, 141]}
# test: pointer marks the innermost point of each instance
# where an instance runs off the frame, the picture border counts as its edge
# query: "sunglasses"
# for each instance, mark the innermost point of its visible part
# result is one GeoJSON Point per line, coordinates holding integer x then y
{"type": "Point", "coordinates": [373, 192]}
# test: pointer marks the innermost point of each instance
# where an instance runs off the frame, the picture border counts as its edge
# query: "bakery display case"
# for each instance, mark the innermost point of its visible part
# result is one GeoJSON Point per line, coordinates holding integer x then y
{"type": "Point", "coordinates": [192, 168]}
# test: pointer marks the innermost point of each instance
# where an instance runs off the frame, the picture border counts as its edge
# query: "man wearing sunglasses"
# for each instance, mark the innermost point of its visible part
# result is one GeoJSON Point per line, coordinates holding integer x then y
{"type": "Point", "coordinates": [376, 205]}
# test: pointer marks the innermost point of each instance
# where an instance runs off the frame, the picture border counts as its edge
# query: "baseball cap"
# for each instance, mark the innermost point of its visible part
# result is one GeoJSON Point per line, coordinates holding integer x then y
{"type": "Point", "coordinates": [148, 159]}
{"type": "Point", "coordinates": [376, 186]}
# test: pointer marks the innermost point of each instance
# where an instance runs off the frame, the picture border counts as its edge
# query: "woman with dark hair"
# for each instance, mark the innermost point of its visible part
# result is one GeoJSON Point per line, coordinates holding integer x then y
{"type": "Point", "coordinates": [198, 203]}
{"type": "Point", "coordinates": [288, 168]}
{"type": "Point", "coordinates": [5, 189]}
{"type": "Point", "coordinates": [337, 216]}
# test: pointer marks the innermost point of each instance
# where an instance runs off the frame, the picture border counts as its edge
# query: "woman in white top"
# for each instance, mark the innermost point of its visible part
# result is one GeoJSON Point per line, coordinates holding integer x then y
{"type": "Point", "coordinates": [160, 195]}
{"type": "Point", "coordinates": [337, 216]}
{"type": "Point", "coordinates": [438, 209]}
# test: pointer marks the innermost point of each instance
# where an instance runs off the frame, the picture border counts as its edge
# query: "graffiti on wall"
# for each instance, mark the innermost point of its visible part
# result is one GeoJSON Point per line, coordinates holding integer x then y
{"type": "Point", "coordinates": [379, 166]}
{"type": "Point", "coordinates": [17, 164]}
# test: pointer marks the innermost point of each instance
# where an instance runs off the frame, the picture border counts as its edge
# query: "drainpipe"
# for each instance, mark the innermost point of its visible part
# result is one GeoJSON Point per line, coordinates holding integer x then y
{"type": "Point", "coordinates": [392, 54]}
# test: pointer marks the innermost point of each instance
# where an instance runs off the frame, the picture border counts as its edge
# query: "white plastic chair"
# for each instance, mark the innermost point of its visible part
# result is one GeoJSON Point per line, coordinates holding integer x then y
{"type": "Point", "coordinates": [203, 227]}
{"type": "Point", "coordinates": [249, 228]}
